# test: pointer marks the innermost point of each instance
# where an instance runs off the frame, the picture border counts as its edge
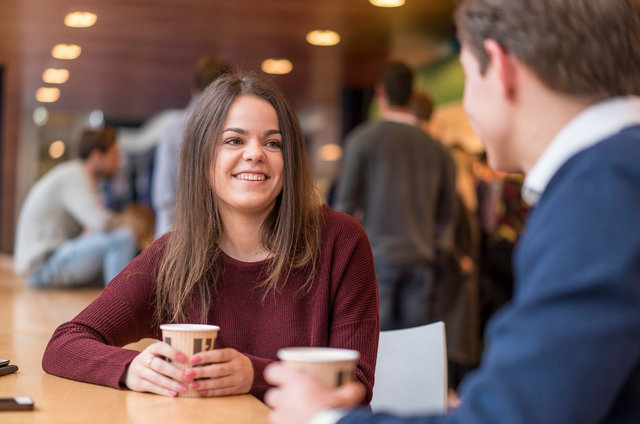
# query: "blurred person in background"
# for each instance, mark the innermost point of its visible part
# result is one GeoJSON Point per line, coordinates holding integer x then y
{"type": "Point", "coordinates": [502, 213]}
{"type": "Point", "coordinates": [165, 175]}
{"type": "Point", "coordinates": [422, 107]}
{"type": "Point", "coordinates": [552, 89]}
{"type": "Point", "coordinates": [399, 181]}
{"type": "Point", "coordinates": [65, 236]}
{"type": "Point", "coordinates": [455, 299]}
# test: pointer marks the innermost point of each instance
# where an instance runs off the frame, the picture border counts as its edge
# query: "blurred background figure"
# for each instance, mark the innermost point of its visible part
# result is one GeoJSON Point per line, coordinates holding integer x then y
{"type": "Point", "coordinates": [455, 298]}
{"type": "Point", "coordinates": [502, 214]}
{"type": "Point", "coordinates": [422, 107]}
{"type": "Point", "coordinates": [65, 236]}
{"type": "Point", "coordinates": [457, 292]}
{"type": "Point", "coordinates": [398, 181]}
{"type": "Point", "coordinates": [165, 175]}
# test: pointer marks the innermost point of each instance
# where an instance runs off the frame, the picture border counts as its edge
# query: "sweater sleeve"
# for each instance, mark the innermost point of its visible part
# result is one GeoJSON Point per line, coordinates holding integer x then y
{"type": "Point", "coordinates": [355, 323]}
{"type": "Point", "coordinates": [89, 347]}
{"type": "Point", "coordinates": [260, 385]}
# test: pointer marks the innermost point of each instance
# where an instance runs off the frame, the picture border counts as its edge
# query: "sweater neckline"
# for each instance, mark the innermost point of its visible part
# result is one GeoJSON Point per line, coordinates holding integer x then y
{"type": "Point", "coordinates": [238, 264]}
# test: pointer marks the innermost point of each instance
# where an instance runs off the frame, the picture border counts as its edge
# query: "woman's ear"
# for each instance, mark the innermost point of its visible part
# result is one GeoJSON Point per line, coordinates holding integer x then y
{"type": "Point", "coordinates": [503, 65]}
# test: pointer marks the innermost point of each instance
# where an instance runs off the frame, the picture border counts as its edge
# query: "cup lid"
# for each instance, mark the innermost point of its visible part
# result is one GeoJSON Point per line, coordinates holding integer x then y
{"type": "Point", "coordinates": [317, 354]}
{"type": "Point", "coordinates": [189, 327]}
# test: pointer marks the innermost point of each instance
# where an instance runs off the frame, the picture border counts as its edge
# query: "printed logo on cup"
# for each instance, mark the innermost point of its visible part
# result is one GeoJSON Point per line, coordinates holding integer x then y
{"type": "Point", "coordinates": [197, 345]}
{"type": "Point", "coordinates": [342, 377]}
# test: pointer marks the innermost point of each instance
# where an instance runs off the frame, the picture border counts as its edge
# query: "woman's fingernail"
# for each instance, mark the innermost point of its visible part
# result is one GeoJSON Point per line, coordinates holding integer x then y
{"type": "Point", "coordinates": [196, 359]}
{"type": "Point", "coordinates": [182, 389]}
{"type": "Point", "coordinates": [172, 393]}
{"type": "Point", "coordinates": [203, 392]}
{"type": "Point", "coordinates": [181, 358]}
{"type": "Point", "coordinates": [189, 373]}
{"type": "Point", "coordinates": [194, 385]}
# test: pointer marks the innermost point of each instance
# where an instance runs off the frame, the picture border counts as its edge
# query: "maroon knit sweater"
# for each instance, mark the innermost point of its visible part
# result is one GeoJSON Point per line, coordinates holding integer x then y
{"type": "Point", "coordinates": [341, 310]}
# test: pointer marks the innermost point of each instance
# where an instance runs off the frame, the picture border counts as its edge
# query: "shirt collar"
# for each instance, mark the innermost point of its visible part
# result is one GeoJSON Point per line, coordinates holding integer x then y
{"type": "Point", "coordinates": [591, 126]}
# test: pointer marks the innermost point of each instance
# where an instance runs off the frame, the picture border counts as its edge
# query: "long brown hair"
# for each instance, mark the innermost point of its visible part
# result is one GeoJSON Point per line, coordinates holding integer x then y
{"type": "Point", "coordinates": [291, 232]}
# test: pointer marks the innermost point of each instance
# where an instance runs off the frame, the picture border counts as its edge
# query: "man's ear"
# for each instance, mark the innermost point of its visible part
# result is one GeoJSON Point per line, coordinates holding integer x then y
{"type": "Point", "coordinates": [504, 67]}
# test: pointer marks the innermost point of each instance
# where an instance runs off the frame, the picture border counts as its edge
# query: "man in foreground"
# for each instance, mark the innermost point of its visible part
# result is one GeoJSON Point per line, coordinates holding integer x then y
{"type": "Point", "coordinates": [551, 88]}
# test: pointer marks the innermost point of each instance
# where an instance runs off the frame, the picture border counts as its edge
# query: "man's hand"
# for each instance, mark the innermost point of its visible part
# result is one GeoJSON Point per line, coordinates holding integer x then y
{"type": "Point", "coordinates": [299, 396]}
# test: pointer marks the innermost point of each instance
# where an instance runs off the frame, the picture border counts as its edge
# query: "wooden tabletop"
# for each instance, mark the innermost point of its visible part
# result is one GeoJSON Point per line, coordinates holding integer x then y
{"type": "Point", "coordinates": [28, 317]}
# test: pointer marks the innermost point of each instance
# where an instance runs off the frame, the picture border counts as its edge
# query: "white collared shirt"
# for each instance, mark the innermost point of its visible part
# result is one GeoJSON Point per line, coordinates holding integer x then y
{"type": "Point", "coordinates": [591, 126]}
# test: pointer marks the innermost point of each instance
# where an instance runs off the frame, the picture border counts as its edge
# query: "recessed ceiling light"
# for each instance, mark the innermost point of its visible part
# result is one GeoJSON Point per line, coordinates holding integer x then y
{"type": "Point", "coordinates": [387, 3]}
{"type": "Point", "coordinates": [330, 152]}
{"type": "Point", "coordinates": [66, 51]}
{"type": "Point", "coordinates": [96, 119]}
{"type": "Point", "coordinates": [323, 38]}
{"type": "Point", "coordinates": [56, 149]}
{"type": "Point", "coordinates": [277, 66]}
{"type": "Point", "coordinates": [80, 19]}
{"type": "Point", "coordinates": [40, 115]}
{"type": "Point", "coordinates": [55, 76]}
{"type": "Point", "coordinates": [47, 94]}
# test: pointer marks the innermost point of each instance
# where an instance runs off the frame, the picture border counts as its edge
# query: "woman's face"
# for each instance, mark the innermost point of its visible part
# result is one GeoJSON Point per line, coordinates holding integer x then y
{"type": "Point", "coordinates": [248, 172]}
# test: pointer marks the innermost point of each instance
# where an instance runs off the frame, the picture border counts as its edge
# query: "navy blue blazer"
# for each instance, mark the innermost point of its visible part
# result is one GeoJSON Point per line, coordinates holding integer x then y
{"type": "Point", "coordinates": [566, 349]}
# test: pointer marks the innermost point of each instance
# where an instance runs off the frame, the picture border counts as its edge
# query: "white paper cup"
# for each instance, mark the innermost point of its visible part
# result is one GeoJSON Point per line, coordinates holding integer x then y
{"type": "Point", "coordinates": [332, 366]}
{"type": "Point", "coordinates": [190, 339]}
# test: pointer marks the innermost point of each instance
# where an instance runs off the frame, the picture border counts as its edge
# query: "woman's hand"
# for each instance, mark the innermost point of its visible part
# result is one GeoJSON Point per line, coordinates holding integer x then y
{"type": "Point", "coordinates": [221, 372]}
{"type": "Point", "coordinates": [149, 372]}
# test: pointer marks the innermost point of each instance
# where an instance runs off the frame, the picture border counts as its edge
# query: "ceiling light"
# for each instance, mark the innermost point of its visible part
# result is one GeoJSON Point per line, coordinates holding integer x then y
{"type": "Point", "coordinates": [96, 119]}
{"type": "Point", "coordinates": [40, 115]}
{"type": "Point", "coordinates": [56, 149]}
{"type": "Point", "coordinates": [277, 66]}
{"type": "Point", "coordinates": [323, 38]}
{"type": "Point", "coordinates": [66, 51]}
{"type": "Point", "coordinates": [47, 94]}
{"type": "Point", "coordinates": [55, 76]}
{"type": "Point", "coordinates": [80, 19]}
{"type": "Point", "coordinates": [330, 152]}
{"type": "Point", "coordinates": [387, 3]}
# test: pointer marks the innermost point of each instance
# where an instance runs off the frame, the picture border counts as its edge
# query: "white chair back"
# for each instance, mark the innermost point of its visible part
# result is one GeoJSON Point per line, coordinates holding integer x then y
{"type": "Point", "coordinates": [411, 371]}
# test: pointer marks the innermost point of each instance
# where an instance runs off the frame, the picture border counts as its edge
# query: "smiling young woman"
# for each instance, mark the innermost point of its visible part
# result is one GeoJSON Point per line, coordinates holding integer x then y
{"type": "Point", "coordinates": [252, 250]}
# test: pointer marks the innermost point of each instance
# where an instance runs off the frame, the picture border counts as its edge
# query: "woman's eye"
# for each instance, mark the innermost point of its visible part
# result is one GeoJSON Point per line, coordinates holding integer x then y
{"type": "Point", "coordinates": [274, 144]}
{"type": "Point", "coordinates": [233, 141]}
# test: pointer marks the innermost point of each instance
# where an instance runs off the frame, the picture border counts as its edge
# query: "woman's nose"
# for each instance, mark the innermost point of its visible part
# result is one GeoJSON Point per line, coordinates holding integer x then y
{"type": "Point", "coordinates": [253, 151]}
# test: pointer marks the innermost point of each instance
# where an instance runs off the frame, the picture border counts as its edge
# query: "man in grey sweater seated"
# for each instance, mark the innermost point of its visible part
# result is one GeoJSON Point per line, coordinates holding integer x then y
{"type": "Point", "coordinates": [65, 236]}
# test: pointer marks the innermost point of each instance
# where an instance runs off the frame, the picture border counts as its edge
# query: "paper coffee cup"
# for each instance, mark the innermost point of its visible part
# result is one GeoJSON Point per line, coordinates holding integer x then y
{"type": "Point", "coordinates": [189, 339]}
{"type": "Point", "coordinates": [332, 366]}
